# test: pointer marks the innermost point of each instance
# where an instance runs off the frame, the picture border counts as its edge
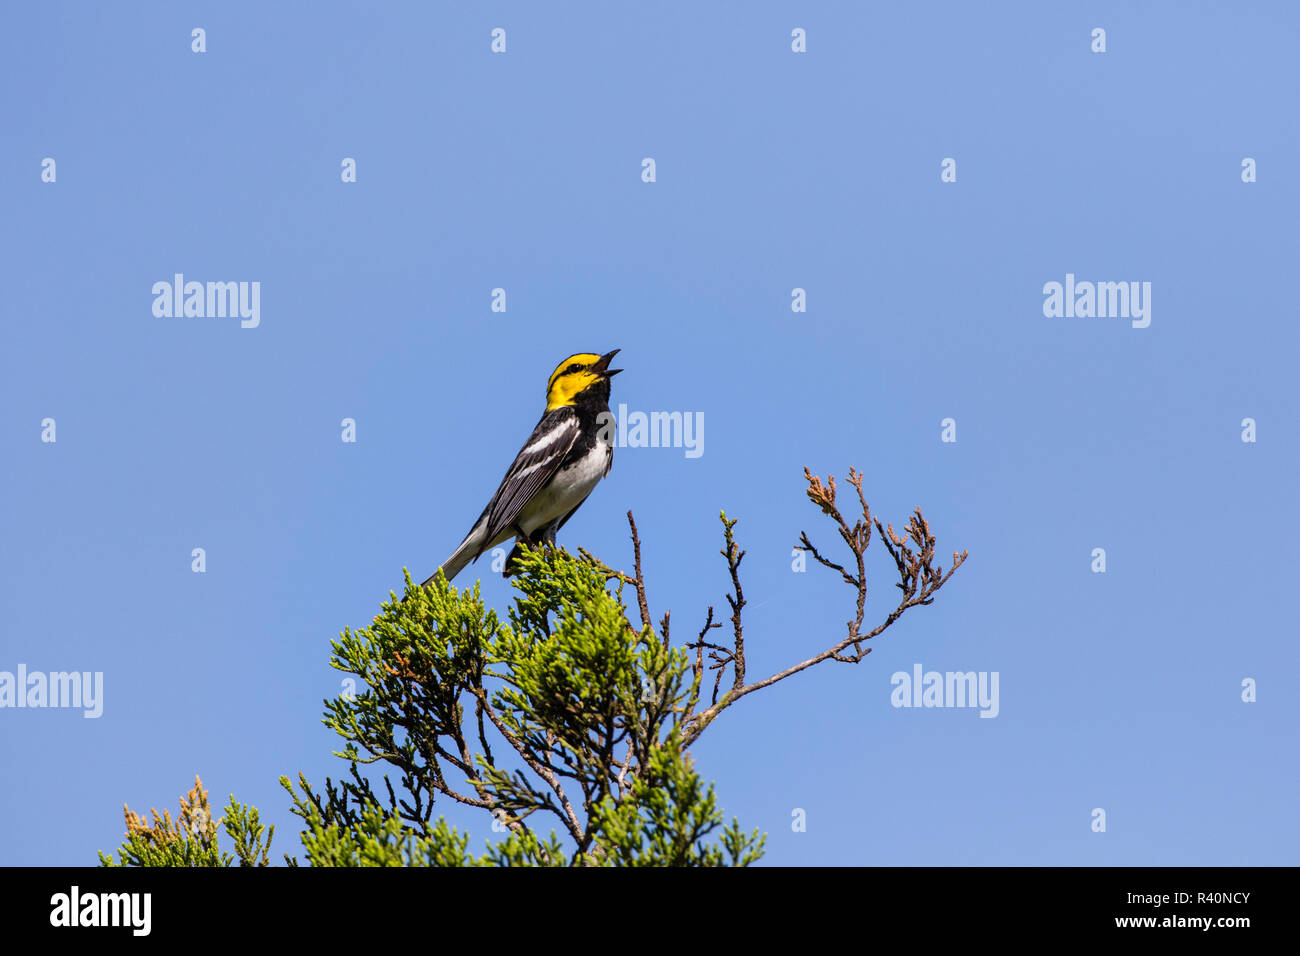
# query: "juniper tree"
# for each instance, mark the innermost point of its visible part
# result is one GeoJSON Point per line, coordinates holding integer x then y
{"type": "Point", "coordinates": [191, 838]}
{"type": "Point", "coordinates": [566, 718]}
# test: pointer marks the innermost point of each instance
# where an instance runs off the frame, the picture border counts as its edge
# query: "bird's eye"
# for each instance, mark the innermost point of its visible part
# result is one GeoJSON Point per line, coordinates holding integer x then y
{"type": "Point", "coordinates": [575, 367]}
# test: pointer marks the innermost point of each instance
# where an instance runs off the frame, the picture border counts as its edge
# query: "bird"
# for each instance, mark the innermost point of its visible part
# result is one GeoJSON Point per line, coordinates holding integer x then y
{"type": "Point", "coordinates": [563, 460]}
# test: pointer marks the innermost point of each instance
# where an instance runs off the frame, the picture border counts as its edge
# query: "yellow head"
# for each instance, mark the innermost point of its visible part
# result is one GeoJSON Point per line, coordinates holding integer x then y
{"type": "Point", "coordinates": [584, 374]}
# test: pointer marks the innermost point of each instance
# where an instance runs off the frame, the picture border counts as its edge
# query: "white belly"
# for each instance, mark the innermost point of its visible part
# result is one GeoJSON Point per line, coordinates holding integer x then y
{"type": "Point", "coordinates": [566, 490]}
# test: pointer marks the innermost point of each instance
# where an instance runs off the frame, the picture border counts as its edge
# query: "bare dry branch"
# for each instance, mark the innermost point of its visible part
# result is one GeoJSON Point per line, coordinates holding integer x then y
{"type": "Point", "coordinates": [638, 578]}
{"type": "Point", "coordinates": [919, 579]}
{"type": "Point", "coordinates": [731, 551]}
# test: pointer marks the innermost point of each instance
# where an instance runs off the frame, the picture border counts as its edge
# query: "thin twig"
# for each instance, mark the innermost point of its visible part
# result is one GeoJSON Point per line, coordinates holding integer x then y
{"type": "Point", "coordinates": [638, 577]}
{"type": "Point", "coordinates": [919, 579]}
{"type": "Point", "coordinates": [731, 551]}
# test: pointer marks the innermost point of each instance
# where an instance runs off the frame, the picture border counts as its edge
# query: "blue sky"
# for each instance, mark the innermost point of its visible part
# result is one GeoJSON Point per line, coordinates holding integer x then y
{"type": "Point", "coordinates": [774, 171]}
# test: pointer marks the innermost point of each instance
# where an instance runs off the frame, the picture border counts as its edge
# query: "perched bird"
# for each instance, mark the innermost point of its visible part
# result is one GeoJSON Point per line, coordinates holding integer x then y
{"type": "Point", "coordinates": [568, 452]}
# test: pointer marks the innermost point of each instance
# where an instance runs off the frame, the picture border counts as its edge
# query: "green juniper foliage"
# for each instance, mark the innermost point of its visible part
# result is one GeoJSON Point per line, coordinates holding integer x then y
{"type": "Point", "coordinates": [191, 839]}
{"type": "Point", "coordinates": [565, 713]}
{"type": "Point", "coordinates": [566, 718]}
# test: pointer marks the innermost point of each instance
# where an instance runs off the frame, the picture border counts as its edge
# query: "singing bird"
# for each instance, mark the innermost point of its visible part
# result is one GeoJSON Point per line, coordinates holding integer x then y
{"type": "Point", "coordinates": [564, 458]}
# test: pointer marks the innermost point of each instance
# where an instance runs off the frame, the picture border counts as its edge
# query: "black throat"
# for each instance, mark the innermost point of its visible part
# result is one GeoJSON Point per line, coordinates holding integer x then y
{"type": "Point", "coordinates": [592, 400]}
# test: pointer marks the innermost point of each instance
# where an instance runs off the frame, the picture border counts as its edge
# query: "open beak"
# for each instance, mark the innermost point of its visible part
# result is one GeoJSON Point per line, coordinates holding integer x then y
{"type": "Point", "coordinates": [602, 365]}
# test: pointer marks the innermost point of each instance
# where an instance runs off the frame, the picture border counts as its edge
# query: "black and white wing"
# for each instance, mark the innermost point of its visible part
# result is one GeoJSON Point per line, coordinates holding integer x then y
{"type": "Point", "coordinates": [534, 466]}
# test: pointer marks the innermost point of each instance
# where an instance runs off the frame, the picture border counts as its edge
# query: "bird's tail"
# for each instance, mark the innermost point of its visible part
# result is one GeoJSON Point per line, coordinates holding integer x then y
{"type": "Point", "coordinates": [465, 552]}
{"type": "Point", "coordinates": [456, 563]}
